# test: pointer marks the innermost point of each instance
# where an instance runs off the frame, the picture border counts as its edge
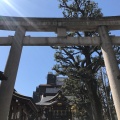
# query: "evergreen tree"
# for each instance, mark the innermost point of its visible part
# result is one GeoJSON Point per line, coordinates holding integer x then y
{"type": "Point", "coordinates": [81, 62]}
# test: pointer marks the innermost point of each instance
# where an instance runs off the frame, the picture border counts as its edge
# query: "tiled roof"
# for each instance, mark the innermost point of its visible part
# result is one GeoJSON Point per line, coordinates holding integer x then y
{"type": "Point", "coordinates": [44, 100]}
{"type": "Point", "coordinates": [25, 99]}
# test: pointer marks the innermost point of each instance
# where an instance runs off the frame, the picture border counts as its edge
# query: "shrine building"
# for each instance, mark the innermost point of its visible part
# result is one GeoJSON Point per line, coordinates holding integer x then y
{"type": "Point", "coordinates": [53, 105]}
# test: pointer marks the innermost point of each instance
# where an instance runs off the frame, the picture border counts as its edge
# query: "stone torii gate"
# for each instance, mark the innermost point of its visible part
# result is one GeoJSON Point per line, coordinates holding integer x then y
{"type": "Point", "coordinates": [59, 25]}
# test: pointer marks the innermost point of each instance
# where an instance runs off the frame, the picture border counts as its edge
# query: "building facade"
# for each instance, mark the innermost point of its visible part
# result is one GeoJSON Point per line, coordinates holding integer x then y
{"type": "Point", "coordinates": [22, 108]}
{"type": "Point", "coordinates": [53, 105]}
{"type": "Point", "coordinates": [53, 85]}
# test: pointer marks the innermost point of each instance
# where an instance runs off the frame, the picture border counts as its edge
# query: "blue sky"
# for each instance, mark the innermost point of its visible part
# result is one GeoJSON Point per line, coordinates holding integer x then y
{"type": "Point", "coordinates": [36, 62]}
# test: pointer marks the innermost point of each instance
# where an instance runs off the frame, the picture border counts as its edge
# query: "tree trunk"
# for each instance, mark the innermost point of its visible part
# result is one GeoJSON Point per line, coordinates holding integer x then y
{"type": "Point", "coordinates": [88, 108]}
{"type": "Point", "coordinates": [95, 102]}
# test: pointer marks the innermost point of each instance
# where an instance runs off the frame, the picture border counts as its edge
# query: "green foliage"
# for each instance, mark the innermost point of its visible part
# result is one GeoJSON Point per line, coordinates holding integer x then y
{"type": "Point", "coordinates": [117, 52]}
{"type": "Point", "coordinates": [80, 8]}
{"type": "Point", "coordinates": [82, 63]}
{"type": "Point", "coordinates": [79, 98]}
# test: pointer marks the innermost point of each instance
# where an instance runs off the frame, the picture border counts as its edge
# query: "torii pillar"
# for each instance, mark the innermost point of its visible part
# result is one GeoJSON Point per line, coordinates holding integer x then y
{"type": "Point", "coordinates": [111, 67]}
{"type": "Point", "coordinates": [7, 87]}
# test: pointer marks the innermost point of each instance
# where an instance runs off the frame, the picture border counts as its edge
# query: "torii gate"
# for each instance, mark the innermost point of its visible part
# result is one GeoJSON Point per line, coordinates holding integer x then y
{"type": "Point", "coordinates": [60, 25]}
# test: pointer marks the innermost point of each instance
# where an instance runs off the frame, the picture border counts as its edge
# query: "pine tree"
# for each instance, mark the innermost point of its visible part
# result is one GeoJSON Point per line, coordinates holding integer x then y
{"type": "Point", "coordinates": [82, 63]}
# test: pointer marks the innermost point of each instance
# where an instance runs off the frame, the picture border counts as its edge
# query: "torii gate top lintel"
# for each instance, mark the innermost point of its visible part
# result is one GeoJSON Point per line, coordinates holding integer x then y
{"type": "Point", "coordinates": [51, 24]}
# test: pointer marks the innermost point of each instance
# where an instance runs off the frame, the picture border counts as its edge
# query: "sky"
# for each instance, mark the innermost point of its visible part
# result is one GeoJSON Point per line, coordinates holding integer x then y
{"type": "Point", "coordinates": [35, 61]}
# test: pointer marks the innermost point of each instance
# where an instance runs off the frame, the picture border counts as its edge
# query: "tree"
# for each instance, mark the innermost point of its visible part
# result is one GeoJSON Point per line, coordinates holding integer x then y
{"type": "Point", "coordinates": [80, 99]}
{"type": "Point", "coordinates": [105, 95]}
{"type": "Point", "coordinates": [81, 62]}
